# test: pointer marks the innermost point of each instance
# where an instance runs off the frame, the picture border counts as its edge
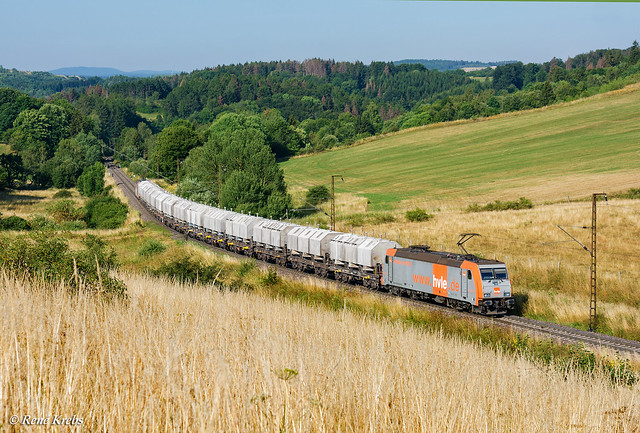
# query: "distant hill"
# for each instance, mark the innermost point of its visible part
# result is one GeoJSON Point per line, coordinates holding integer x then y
{"type": "Point", "coordinates": [84, 71]}
{"type": "Point", "coordinates": [448, 65]}
{"type": "Point", "coordinates": [42, 84]}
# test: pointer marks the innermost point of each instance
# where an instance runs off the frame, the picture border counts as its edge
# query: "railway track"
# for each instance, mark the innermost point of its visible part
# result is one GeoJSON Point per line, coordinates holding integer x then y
{"type": "Point", "coordinates": [558, 333]}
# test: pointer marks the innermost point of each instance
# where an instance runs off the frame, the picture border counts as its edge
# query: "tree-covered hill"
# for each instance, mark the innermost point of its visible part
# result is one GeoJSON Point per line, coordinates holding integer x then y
{"type": "Point", "coordinates": [335, 103]}
{"type": "Point", "coordinates": [42, 84]}
{"type": "Point", "coordinates": [279, 109]}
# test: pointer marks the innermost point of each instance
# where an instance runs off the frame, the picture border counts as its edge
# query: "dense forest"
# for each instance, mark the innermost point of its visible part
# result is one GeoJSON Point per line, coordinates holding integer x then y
{"type": "Point", "coordinates": [221, 129]}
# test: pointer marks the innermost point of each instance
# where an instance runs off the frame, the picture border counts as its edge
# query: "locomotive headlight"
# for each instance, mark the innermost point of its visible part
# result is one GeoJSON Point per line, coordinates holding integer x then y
{"type": "Point", "coordinates": [507, 293]}
{"type": "Point", "coordinates": [487, 295]}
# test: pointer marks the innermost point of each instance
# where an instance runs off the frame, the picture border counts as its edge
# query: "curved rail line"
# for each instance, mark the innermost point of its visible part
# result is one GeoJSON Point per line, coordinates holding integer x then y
{"type": "Point", "coordinates": [558, 333]}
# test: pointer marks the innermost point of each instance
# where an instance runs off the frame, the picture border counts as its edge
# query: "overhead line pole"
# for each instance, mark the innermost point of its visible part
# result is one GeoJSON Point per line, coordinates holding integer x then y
{"type": "Point", "coordinates": [593, 280]}
{"type": "Point", "coordinates": [593, 319]}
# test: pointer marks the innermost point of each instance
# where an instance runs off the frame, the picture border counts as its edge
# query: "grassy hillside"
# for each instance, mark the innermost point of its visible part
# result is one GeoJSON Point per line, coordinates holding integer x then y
{"type": "Point", "coordinates": [546, 154]}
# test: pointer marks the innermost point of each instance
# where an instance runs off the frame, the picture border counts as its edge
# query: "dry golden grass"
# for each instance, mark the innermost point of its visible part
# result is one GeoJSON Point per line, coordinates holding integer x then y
{"type": "Point", "coordinates": [197, 359]}
{"type": "Point", "coordinates": [524, 239]}
{"type": "Point", "coordinates": [26, 203]}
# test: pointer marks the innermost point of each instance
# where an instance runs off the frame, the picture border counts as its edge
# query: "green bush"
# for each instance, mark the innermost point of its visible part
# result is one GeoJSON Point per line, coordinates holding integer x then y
{"type": "Point", "coordinates": [91, 181]}
{"type": "Point", "coordinates": [63, 193]}
{"type": "Point", "coordinates": [371, 218]}
{"type": "Point", "coordinates": [65, 210]}
{"type": "Point", "coordinates": [49, 258]}
{"type": "Point", "coordinates": [40, 222]}
{"type": "Point", "coordinates": [73, 225]}
{"type": "Point", "coordinates": [317, 194]}
{"type": "Point", "coordinates": [522, 203]}
{"type": "Point", "coordinates": [417, 215]}
{"type": "Point", "coordinates": [105, 212]}
{"type": "Point", "coordinates": [151, 248]}
{"type": "Point", "coordinates": [14, 223]}
{"type": "Point", "coordinates": [632, 193]}
{"type": "Point", "coordinates": [245, 267]}
{"type": "Point", "coordinates": [271, 278]}
{"type": "Point", "coordinates": [186, 270]}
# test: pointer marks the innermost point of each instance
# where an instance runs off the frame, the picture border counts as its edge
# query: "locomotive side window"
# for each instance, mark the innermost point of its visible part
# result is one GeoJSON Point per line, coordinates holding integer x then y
{"type": "Point", "coordinates": [469, 275]}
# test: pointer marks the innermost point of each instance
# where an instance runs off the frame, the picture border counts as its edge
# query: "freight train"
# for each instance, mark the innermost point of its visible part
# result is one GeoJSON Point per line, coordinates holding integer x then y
{"type": "Point", "coordinates": [461, 281]}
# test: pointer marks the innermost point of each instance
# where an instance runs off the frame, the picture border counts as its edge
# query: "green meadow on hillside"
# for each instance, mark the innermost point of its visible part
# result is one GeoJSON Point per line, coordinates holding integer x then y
{"type": "Point", "coordinates": [545, 154]}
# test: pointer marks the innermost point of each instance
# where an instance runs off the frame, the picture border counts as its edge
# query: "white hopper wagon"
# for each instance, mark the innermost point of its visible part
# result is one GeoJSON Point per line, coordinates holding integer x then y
{"type": "Point", "coordinates": [195, 213]}
{"type": "Point", "coordinates": [168, 204]}
{"type": "Point", "coordinates": [241, 226]}
{"type": "Point", "coordinates": [320, 241]}
{"type": "Point", "coordinates": [180, 209]}
{"type": "Point", "coordinates": [359, 250]}
{"type": "Point", "coordinates": [373, 251]}
{"type": "Point", "coordinates": [272, 234]}
{"type": "Point", "coordinates": [293, 237]}
{"type": "Point", "coordinates": [216, 220]}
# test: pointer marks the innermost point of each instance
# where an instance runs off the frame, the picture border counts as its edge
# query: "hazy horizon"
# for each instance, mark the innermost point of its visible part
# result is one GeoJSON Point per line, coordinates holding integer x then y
{"type": "Point", "coordinates": [160, 36]}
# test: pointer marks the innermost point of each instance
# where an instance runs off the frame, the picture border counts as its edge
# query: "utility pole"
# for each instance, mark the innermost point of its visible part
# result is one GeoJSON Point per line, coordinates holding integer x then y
{"type": "Point", "coordinates": [333, 201]}
{"type": "Point", "coordinates": [593, 322]}
{"type": "Point", "coordinates": [178, 162]}
{"type": "Point", "coordinates": [593, 281]}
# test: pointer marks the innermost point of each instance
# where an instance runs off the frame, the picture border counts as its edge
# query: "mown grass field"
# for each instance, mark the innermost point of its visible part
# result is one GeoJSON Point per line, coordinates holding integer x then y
{"type": "Point", "coordinates": [546, 154]}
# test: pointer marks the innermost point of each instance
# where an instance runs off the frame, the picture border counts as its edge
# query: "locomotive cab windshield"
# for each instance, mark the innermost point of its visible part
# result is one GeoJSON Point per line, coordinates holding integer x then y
{"type": "Point", "coordinates": [489, 274]}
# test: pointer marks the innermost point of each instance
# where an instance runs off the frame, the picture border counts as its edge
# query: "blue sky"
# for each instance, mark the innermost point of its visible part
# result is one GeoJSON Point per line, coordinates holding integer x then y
{"type": "Point", "coordinates": [193, 34]}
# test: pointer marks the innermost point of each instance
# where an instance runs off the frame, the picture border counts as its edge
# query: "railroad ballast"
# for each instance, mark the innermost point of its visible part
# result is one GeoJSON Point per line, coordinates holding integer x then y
{"type": "Point", "coordinates": [465, 282]}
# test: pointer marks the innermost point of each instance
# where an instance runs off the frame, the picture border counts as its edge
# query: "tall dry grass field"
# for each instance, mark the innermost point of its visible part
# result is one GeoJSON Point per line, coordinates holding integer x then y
{"type": "Point", "coordinates": [176, 358]}
{"type": "Point", "coordinates": [546, 266]}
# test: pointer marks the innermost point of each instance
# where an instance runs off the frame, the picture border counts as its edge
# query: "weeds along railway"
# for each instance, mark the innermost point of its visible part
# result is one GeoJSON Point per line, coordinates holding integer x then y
{"type": "Point", "coordinates": [559, 333]}
{"type": "Point", "coordinates": [464, 282]}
